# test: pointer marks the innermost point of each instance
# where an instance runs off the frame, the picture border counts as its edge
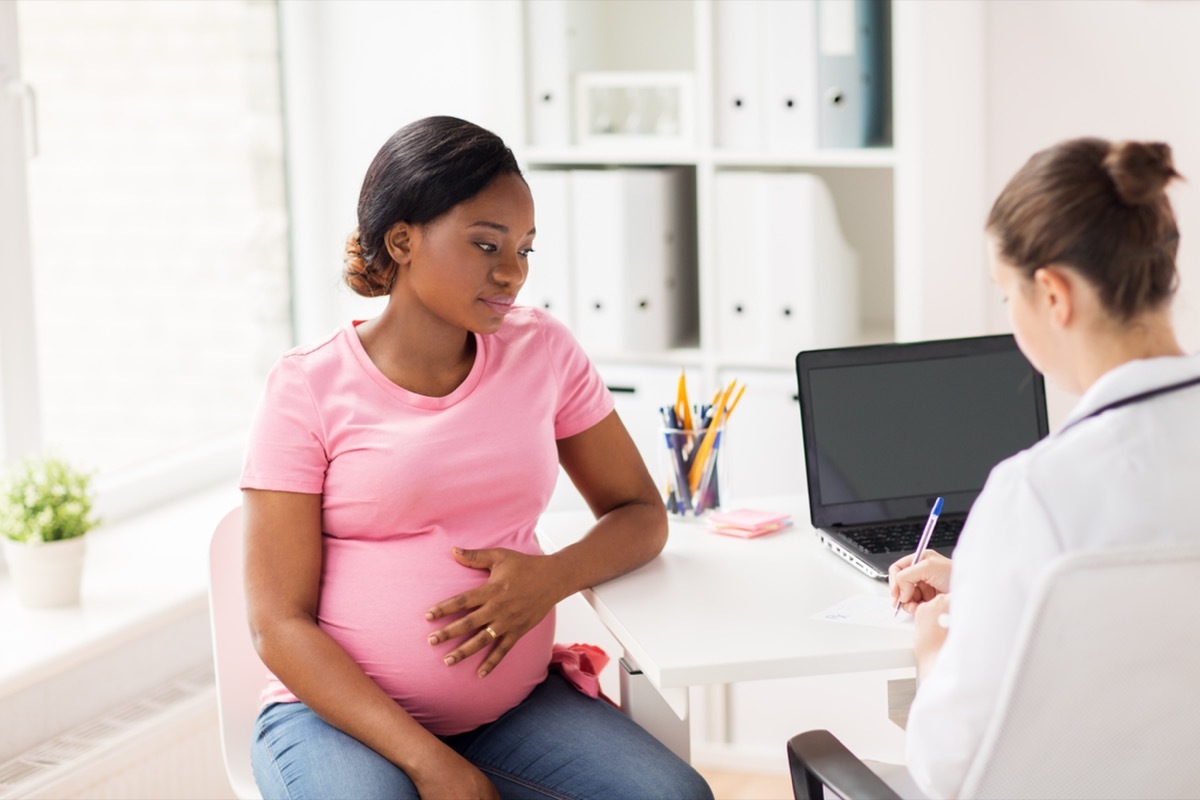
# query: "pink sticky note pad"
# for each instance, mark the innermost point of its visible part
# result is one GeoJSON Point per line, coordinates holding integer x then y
{"type": "Point", "coordinates": [749, 519]}
{"type": "Point", "coordinates": [746, 533]}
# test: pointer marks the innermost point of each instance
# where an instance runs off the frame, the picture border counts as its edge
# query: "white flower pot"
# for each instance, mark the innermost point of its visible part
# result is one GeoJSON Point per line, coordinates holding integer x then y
{"type": "Point", "coordinates": [46, 574]}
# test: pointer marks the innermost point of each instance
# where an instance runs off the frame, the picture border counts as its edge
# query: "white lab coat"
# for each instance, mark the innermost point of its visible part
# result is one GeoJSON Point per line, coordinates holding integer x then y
{"type": "Point", "coordinates": [1130, 475]}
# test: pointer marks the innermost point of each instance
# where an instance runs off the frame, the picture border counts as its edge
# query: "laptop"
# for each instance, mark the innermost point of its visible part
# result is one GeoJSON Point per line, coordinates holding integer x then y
{"type": "Point", "coordinates": [890, 428]}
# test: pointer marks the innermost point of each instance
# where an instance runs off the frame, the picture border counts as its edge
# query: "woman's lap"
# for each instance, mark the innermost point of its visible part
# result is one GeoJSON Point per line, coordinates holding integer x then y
{"type": "Point", "coordinates": [558, 743]}
{"type": "Point", "coordinates": [297, 755]}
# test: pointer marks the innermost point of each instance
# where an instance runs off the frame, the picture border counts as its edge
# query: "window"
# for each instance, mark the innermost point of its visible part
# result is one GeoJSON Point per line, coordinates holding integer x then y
{"type": "Point", "coordinates": [157, 222]}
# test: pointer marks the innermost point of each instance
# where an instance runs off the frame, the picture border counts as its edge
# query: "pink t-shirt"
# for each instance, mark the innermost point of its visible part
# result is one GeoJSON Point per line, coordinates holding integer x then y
{"type": "Point", "coordinates": [404, 478]}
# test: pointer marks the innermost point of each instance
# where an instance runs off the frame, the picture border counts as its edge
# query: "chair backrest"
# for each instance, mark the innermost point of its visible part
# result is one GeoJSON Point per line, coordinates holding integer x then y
{"type": "Point", "coordinates": [1102, 698]}
{"type": "Point", "coordinates": [240, 673]}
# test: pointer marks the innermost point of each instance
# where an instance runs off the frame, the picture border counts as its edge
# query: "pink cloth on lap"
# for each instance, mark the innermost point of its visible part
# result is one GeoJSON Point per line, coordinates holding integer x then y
{"type": "Point", "coordinates": [581, 664]}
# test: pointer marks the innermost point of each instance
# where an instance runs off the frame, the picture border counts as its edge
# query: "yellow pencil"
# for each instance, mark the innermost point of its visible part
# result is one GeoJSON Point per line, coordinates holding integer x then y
{"type": "Point", "coordinates": [706, 443]}
{"type": "Point", "coordinates": [685, 413]}
{"type": "Point", "coordinates": [741, 391]}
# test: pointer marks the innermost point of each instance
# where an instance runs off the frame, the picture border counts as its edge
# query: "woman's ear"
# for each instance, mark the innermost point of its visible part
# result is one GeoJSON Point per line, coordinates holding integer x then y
{"type": "Point", "coordinates": [398, 241]}
{"type": "Point", "coordinates": [1056, 293]}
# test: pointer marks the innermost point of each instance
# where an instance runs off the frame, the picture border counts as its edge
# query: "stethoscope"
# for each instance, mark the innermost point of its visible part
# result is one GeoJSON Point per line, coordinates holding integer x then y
{"type": "Point", "coordinates": [1137, 398]}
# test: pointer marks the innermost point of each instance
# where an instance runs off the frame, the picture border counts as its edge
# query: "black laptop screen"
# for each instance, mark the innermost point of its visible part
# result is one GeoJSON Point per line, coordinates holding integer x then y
{"type": "Point", "coordinates": [888, 429]}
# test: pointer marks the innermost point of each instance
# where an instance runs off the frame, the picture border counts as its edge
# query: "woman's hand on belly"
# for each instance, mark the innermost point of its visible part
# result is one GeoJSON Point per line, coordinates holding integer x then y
{"type": "Point", "coordinates": [518, 594]}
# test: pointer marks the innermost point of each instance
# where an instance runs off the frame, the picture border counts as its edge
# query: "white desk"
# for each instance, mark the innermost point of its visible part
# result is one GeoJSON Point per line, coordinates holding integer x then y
{"type": "Point", "coordinates": [715, 609]}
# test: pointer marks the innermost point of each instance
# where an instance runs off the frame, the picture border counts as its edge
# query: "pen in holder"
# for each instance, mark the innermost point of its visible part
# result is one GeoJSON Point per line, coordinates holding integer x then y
{"type": "Point", "coordinates": [692, 469]}
{"type": "Point", "coordinates": [691, 461]}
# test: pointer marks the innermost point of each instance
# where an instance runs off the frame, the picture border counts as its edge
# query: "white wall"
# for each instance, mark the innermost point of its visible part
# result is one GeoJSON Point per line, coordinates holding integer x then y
{"type": "Point", "coordinates": [355, 71]}
{"type": "Point", "coordinates": [941, 270]}
{"type": "Point", "coordinates": [1118, 69]}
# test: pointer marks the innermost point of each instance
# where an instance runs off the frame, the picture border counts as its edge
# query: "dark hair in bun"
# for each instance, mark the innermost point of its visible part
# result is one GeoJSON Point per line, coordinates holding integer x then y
{"type": "Point", "coordinates": [1100, 208]}
{"type": "Point", "coordinates": [424, 170]}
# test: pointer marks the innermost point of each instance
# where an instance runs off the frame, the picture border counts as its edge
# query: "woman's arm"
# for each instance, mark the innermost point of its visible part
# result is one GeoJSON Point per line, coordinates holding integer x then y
{"type": "Point", "coordinates": [630, 529]}
{"type": "Point", "coordinates": [283, 572]}
{"type": "Point", "coordinates": [631, 520]}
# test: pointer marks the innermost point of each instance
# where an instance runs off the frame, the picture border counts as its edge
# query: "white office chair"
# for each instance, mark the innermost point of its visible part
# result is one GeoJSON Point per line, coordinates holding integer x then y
{"type": "Point", "coordinates": [1101, 699]}
{"type": "Point", "coordinates": [240, 674]}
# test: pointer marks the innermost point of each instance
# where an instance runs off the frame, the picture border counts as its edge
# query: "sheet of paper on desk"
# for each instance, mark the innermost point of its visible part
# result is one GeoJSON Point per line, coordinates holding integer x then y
{"type": "Point", "coordinates": [866, 609]}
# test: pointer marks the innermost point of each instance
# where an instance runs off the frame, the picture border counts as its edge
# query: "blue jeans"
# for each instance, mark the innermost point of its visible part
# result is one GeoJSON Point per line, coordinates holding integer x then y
{"type": "Point", "coordinates": [558, 743]}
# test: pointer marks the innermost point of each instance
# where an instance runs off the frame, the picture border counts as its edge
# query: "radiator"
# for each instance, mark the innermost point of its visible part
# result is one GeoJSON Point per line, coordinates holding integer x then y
{"type": "Point", "coordinates": [163, 746]}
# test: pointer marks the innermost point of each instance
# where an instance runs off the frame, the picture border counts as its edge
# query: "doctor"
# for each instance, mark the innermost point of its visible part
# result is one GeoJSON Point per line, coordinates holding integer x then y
{"type": "Point", "coordinates": [1082, 244]}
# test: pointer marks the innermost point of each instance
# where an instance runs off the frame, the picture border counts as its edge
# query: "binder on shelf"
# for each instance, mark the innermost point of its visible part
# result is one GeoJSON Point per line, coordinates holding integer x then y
{"type": "Point", "coordinates": [737, 104]}
{"type": "Point", "coordinates": [742, 293]}
{"type": "Point", "coordinates": [548, 67]}
{"type": "Point", "coordinates": [854, 73]}
{"type": "Point", "coordinates": [812, 271]}
{"type": "Point", "coordinates": [786, 278]}
{"type": "Point", "coordinates": [548, 283]}
{"type": "Point", "coordinates": [631, 246]}
{"type": "Point", "coordinates": [789, 96]}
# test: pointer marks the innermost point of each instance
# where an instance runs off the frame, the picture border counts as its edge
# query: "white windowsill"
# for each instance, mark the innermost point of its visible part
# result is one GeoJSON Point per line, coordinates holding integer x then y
{"type": "Point", "coordinates": [142, 575]}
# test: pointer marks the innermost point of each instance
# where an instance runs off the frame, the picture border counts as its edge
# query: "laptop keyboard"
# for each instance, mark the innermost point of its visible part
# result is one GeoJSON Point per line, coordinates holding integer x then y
{"type": "Point", "coordinates": [903, 537]}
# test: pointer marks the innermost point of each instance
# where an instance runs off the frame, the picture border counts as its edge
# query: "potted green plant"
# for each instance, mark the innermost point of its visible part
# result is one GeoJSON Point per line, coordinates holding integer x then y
{"type": "Point", "coordinates": [45, 510]}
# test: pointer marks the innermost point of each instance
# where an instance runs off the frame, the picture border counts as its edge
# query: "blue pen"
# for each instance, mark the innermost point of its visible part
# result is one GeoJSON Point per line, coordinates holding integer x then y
{"type": "Point", "coordinates": [706, 492]}
{"type": "Point", "coordinates": [926, 535]}
{"type": "Point", "coordinates": [675, 453]}
{"type": "Point", "coordinates": [704, 415]}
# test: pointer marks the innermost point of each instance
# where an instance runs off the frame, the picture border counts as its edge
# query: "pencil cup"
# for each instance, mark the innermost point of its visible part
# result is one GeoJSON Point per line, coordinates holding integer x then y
{"type": "Point", "coordinates": [692, 471]}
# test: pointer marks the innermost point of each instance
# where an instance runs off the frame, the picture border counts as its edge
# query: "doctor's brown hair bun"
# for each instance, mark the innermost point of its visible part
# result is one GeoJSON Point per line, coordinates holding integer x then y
{"type": "Point", "coordinates": [1100, 208]}
{"type": "Point", "coordinates": [1140, 170]}
{"type": "Point", "coordinates": [424, 170]}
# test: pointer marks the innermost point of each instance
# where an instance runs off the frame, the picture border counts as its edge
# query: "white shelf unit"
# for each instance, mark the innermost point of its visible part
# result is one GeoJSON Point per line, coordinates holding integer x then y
{"type": "Point", "coordinates": [911, 212]}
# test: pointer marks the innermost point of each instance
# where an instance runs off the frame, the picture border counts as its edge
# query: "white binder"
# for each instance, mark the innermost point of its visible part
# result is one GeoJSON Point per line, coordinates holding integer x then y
{"type": "Point", "coordinates": [597, 245]}
{"type": "Point", "coordinates": [813, 272]}
{"type": "Point", "coordinates": [548, 66]}
{"type": "Point", "coordinates": [742, 293]}
{"type": "Point", "coordinates": [548, 284]}
{"type": "Point", "coordinates": [629, 238]}
{"type": "Point", "coordinates": [789, 37]}
{"type": "Point", "coordinates": [836, 320]}
{"type": "Point", "coordinates": [737, 104]}
{"type": "Point", "coordinates": [786, 278]}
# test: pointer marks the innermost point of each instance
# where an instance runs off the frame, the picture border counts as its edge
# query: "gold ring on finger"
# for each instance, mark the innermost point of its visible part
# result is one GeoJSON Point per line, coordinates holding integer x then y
{"type": "Point", "coordinates": [491, 632]}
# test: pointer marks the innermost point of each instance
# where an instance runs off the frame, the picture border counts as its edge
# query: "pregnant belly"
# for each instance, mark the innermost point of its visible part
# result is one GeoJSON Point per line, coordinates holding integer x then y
{"type": "Point", "coordinates": [373, 602]}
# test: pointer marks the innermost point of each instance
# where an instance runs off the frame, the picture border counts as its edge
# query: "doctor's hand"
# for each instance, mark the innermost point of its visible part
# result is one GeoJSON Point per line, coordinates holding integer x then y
{"type": "Point", "coordinates": [930, 627]}
{"type": "Point", "coordinates": [914, 584]}
{"type": "Point", "coordinates": [518, 594]}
